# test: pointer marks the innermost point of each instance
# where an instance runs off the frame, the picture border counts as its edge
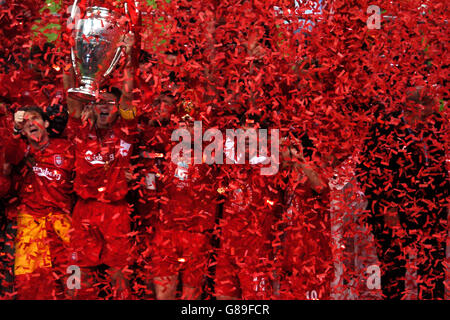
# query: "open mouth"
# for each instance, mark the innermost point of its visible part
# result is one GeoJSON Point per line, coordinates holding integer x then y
{"type": "Point", "coordinates": [33, 130]}
{"type": "Point", "coordinates": [104, 115]}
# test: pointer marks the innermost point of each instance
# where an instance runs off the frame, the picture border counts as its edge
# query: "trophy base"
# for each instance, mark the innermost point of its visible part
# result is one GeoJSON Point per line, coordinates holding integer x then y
{"type": "Point", "coordinates": [87, 95]}
{"type": "Point", "coordinates": [83, 94]}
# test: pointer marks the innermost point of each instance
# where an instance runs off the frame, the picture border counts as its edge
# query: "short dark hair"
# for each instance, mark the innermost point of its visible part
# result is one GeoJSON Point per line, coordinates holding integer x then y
{"type": "Point", "coordinates": [58, 117]}
{"type": "Point", "coordinates": [113, 90]}
{"type": "Point", "coordinates": [36, 109]}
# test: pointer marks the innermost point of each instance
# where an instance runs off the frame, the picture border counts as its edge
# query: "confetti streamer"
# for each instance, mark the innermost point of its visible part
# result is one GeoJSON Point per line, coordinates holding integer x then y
{"type": "Point", "coordinates": [357, 91]}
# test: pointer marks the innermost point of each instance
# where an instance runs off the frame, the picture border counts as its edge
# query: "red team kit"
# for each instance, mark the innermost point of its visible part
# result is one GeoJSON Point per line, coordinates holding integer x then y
{"type": "Point", "coordinates": [96, 203]}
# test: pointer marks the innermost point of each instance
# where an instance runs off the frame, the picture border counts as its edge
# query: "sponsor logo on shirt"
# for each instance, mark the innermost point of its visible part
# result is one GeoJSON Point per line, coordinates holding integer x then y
{"type": "Point", "coordinates": [92, 158]}
{"type": "Point", "coordinates": [49, 174]}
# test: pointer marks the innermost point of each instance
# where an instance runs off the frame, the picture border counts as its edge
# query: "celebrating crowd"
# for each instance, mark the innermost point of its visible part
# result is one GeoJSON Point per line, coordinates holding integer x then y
{"type": "Point", "coordinates": [94, 188]}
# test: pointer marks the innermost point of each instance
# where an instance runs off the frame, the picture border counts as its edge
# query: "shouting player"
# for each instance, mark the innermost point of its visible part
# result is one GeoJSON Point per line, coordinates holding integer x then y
{"type": "Point", "coordinates": [103, 148]}
{"type": "Point", "coordinates": [45, 202]}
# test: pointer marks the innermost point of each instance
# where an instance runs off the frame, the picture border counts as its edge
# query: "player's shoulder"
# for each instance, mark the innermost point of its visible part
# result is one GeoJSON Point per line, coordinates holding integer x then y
{"type": "Point", "coordinates": [126, 129]}
{"type": "Point", "coordinates": [60, 144]}
{"type": "Point", "coordinates": [121, 122]}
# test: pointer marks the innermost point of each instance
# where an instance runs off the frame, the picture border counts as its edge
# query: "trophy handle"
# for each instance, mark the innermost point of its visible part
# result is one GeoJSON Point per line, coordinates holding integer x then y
{"type": "Point", "coordinates": [114, 61]}
{"type": "Point", "coordinates": [73, 13]}
{"type": "Point", "coordinates": [73, 58]}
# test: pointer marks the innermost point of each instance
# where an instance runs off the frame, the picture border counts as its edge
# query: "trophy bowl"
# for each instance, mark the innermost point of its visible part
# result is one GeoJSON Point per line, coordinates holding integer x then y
{"type": "Point", "coordinates": [97, 51]}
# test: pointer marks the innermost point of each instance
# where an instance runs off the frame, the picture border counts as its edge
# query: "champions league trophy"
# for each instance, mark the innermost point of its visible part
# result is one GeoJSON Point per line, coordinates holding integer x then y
{"type": "Point", "coordinates": [98, 48]}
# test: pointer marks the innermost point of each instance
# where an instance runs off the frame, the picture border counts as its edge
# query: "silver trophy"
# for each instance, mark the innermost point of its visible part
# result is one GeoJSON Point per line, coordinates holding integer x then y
{"type": "Point", "coordinates": [98, 48]}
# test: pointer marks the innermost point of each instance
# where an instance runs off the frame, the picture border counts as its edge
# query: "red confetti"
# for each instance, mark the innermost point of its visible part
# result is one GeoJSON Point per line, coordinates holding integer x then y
{"type": "Point", "coordinates": [358, 206]}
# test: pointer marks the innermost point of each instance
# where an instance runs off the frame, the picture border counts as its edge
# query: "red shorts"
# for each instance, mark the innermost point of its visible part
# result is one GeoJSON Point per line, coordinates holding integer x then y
{"type": "Point", "coordinates": [184, 252]}
{"type": "Point", "coordinates": [101, 234]}
{"type": "Point", "coordinates": [307, 265]}
{"type": "Point", "coordinates": [247, 277]}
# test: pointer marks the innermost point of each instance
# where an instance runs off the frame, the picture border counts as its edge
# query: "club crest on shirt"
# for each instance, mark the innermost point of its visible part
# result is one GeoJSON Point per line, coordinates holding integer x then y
{"type": "Point", "coordinates": [58, 160]}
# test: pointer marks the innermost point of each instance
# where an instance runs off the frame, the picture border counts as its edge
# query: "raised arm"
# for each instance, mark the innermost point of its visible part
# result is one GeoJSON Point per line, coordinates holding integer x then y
{"type": "Point", "coordinates": [126, 107]}
{"type": "Point", "coordinates": [310, 170]}
{"type": "Point", "coordinates": [75, 107]}
{"type": "Point", "coordinates": [292, 155]}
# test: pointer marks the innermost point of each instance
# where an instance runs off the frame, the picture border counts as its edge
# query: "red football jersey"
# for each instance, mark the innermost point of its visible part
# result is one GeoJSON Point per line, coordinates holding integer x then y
{"type": "Point", "coordinates": [251, 208]}
{"type": "Point", "coordinates": [189, 200]}
{"type": "Point", "coordinates": [47, 184]}
{"type": "Point", "coordinates": [102, 158]}
{"type": "Point", "coordinates": [307, 239]}
{"type": "Point", "coordinates": [149, 168]}
{"type": "Point", "coordinates": [307, 215]}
